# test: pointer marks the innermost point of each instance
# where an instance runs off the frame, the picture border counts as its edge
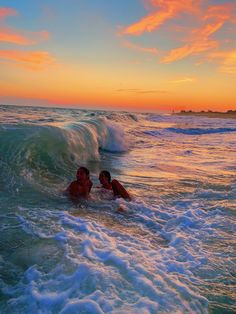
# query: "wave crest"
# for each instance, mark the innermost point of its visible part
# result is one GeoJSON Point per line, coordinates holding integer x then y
{"type": "Point", "coordinates": [35, 151]}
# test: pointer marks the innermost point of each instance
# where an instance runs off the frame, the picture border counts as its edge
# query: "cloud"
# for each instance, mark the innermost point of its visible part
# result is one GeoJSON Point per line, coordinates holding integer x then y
{"type": "Point", "coordinates": [34, 60]}
{"type": "Point", "coordinates": [140, 48]}
{"type": "Point", "coordinates": [163, 11]}
{"type": "Point", "coordinates": [226, 60]}
{"type": "Point", "coordinates": [9, 35]}
{"type": "Point", "coordinates": [199, 38]}
{"type": "Point", "coordinates": [4, 12]}
{"type": "Point", "coordinates": [142, 91]}
{"type": "Point", "coordinates": [199, 41]}
{"type": "Point", "coordinates": [183, 80]}
{"type": "Point", "coordinates": [187, 50]}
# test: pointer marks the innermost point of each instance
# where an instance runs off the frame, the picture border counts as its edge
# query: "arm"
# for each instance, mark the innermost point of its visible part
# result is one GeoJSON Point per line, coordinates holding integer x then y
{"type": "Point", "coordinates": [90, 185]}
{"type": "Point", "coordinates": [87, 189]}
{"type": "Point", "coordinates": [72, 190]}
{"type": "Point", "coordinates": [67, 190]}
{"type": "Point", "coordinates": [119, 190]}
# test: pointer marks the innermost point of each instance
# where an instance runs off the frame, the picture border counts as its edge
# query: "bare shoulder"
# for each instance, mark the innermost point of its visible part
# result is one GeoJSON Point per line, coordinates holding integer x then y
{"type": "Point", "coordinates": [73, 183]}
{"type": "Point", "coordinates": [119, 190]}
{"type": "Point", "coordinates": [115, 182]}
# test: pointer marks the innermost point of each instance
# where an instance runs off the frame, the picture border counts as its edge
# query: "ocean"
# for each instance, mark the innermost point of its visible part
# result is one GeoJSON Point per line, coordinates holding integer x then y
{"type": "Point", "coordinates": [172, 251]}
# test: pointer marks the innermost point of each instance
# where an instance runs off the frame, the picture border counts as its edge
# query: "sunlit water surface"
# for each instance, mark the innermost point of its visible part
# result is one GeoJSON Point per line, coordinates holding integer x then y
{"type": "Point", "coordinates": [173, 251]}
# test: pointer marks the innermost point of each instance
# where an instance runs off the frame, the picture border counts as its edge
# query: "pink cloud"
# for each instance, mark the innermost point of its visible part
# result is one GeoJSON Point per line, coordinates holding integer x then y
{"type": "Point", "coordinates": [10, 35]}
{"type": "Point", "coordinates": [4, 12]}
{"type": "Point", "coordinates": [35, 60]}
{"type": "Point", "coordinates": [197, 39]}
{"type": "Point", "coordinates": [187, 50]}
{"type": "Point", "coordinates": [140, 48]}
{"type": "Point", "coordinates": [163, 11]}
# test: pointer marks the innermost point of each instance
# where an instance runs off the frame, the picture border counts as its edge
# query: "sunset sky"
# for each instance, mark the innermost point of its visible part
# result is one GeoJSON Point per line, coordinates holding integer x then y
{"type": "Point", "coordinates": [124, 54]}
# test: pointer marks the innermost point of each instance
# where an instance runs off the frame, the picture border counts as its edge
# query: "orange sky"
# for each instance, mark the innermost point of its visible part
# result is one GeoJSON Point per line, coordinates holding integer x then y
{"type": "Point", "coordinates": [151, 55]}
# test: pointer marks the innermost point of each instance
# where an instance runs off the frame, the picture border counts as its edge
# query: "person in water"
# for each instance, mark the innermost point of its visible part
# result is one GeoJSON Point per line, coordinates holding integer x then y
{"type": "Point", "coordinates": [81, 187]}
{"type": "Point", "coordinates": [114, 185]}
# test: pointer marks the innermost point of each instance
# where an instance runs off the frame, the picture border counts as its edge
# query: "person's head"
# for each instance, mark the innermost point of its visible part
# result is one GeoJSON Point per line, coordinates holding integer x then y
{"type": "Point", "coordinates": [105, 177]}
{"type": "Point", "coordinates": [82, 174]}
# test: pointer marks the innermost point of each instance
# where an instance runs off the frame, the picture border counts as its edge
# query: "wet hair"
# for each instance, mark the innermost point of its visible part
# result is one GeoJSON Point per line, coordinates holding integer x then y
{"type": "Point", "coordinates": [107, 175]}
{"type": "Point", "coordinates": [86, 171]}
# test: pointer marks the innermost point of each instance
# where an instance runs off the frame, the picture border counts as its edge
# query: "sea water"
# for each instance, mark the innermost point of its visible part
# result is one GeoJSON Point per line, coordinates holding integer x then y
{"type": "Point", "coordinates": [171, 251]}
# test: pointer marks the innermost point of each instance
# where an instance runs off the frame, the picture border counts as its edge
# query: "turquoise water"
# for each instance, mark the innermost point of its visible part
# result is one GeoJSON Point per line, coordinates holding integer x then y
{"type": "Point", "coordinates": [173, 251]}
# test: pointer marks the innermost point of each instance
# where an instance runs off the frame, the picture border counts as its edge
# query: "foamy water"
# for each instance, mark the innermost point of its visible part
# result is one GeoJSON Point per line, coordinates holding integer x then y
{"type": "Point", "coordinates": [173, 251]}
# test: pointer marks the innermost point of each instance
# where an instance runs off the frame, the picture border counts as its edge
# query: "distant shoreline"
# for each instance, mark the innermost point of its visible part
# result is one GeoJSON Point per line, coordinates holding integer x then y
{"type": "Point", "coordinates": [231, 114]}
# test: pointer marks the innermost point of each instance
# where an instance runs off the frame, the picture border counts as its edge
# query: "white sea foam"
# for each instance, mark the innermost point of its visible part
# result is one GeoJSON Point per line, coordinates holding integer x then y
{"type": "Point", "coordinates": [88, 244]}
{"type": "Point", "coordinates": [115, 140]}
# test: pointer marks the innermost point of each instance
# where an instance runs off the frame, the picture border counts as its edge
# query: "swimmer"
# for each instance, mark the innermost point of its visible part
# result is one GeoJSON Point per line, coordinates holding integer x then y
{"type": "Point", "coordinates": [81, 187]}
{"type": "Point", "coordinates": [114, 185]}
